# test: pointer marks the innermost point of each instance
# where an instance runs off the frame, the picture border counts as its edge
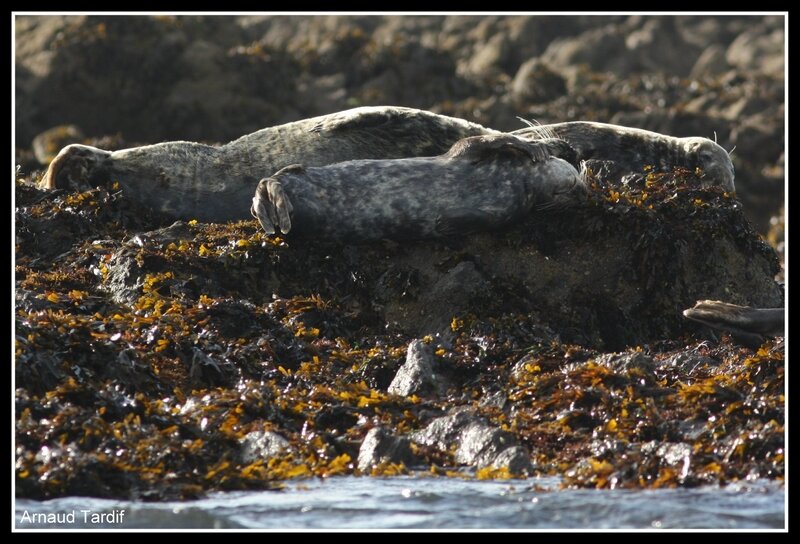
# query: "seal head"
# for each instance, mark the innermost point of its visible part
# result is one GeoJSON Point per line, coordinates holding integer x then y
{"type": "Point", "coordinates": [712, 160]}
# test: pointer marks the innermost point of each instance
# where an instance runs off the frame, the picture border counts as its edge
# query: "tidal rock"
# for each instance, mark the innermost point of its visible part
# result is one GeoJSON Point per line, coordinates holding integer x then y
{"type": "Point", "coordinates": [380, 446]}
{"type": "Point", "coordinates": [416, 376]}
{"type": "Point", "coordinates": [262, 445]}
{"type": "Point", "coordinates": [480, 444]}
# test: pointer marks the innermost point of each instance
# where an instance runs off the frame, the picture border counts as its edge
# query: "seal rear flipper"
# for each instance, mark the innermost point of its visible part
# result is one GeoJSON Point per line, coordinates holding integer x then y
{"type": "Point", "coordinates": [74, 167]}
{"type": "Point", "coordinates": [461, 221]}
{"type": "Point", "coordinates": [260, 210]}
{"type": "Point", "coordinates": [272, 206]}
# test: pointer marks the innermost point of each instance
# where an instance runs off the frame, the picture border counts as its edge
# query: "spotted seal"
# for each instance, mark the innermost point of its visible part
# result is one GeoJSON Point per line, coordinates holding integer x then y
{"type": "Point", "coordinates": [481, 183]}
{"type": "Point", "coordinates": [187, 180]}
{"type": "Point", "coordinates": [629, 150]}
{"type": "Point", "coordinates": [738, 319]}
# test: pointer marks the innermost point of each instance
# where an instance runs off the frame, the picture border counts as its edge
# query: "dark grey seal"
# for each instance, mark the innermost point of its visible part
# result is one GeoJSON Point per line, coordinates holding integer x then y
{"type": "Point", "coordinates": [188, 180]}
{"type": "Point", "coordinates": [481, 183]}
{"type": "Point", "coordinates": [631, 149]}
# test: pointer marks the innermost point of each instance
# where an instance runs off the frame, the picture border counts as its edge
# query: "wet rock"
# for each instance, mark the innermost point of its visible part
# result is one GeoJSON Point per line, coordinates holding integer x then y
{"type": "Point", "coordinates": [47, 144]}
{"type": "Point", "coordinates": [688, 363]}
{"type": "Point", "coordinates": [380, 447]}
{"type": "Point", "coordinates": [443, 431]}
{"type": "Point", "coordinates": [479, 443]}
{"type": "Point", "coordinates": [623, 363]}
{"type": "Point", "coordinates": [174, 233]}
{"type": "Point", "coordinates": [262, 445]}
{"type": "Point", "coordinates": [125, 277]}
{"type": "Point", "coordinates": [416, 376]}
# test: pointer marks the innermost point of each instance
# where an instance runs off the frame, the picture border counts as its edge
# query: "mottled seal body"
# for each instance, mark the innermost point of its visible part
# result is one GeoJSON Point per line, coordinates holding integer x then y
{"type": "Point", "coordinates": [738, 319]}
{"type": "Point", "coordinates": [631, 149]}
{"type": "Point", "coordinates": [481, 183]}
{"type": "Point", "coordinates": [187, 180]}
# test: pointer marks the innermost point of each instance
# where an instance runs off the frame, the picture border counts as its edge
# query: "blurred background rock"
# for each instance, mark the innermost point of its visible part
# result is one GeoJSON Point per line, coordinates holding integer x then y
{"type": "Point", "coordinates": [128, 80]}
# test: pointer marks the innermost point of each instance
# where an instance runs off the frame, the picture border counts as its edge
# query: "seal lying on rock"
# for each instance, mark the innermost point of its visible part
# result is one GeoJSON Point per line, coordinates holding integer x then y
{"type": "Point", "coordinates": [749, 324]}
{"type": "Point", "coordinates": [188, 180]}
{"type": "Point", "coordinates": [631, 149]}
{"type": "Point", "coordinates": [481, 183]}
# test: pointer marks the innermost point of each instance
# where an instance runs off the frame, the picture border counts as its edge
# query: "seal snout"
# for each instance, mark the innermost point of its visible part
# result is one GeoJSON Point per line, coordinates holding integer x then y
{"type": "Point", "coordinates": [713, 160]}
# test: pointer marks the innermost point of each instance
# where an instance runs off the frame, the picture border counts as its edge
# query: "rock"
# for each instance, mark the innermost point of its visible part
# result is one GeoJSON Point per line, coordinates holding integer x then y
{"type": "Point", "coordinates": [176, 232]}
{"type": "Point", "coordinates": [125, 277]}
{"type": "Point", "coordinates": [443, 431]}
{"type": "Point", "coordinates": [678, 453]}
{"type": "Point", "coordinates": [479, 443]}
{"type": "Point", "coordinates": [601, 49]}
{"type": "Point", "coordinates": [487, 60]}
{"type": "Point", "coordinates": [449, 294]}
{"type": "Point", "coordinates": [535, 81]}
{"type": "Point", "coordinates": [646, 45]}
{"type": "Point", "coordinates": [711, 62]}
{"type": "Point", "coordinates": [416, 376]}
{"type": "Point", "coordinates": [380, 447]}
{"type": "Point", "coordinates": [262, 445]}
{"type": "Point", "coordinates": [688, 363]}
{"type": "Point", "coordinates": [47, 144]}
{"type": "Point", "coordinates": [756, 51]}
{"type": "Point", "coordinates": [623, 363]}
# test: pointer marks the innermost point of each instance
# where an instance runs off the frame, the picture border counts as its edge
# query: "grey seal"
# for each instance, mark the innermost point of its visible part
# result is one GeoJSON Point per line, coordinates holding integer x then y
{"type": "Point", "coordinates": [187, 180]}
{"type": "Point", "coordinates": [738, 319]}
{"type": "Point", "coordinates": [631, 149]}
{"type": "Point", "coordinates": [481, 183]}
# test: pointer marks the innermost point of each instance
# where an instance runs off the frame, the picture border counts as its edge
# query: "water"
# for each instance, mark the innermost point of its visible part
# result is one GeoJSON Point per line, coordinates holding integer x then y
{"type": "Point", "coordinates": [429, 503]}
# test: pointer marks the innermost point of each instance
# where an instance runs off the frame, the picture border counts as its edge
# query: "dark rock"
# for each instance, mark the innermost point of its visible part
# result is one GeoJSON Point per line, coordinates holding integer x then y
{"type": "Point", "coordinates": [125, 277]}
{"type": "Point", "coordinates": [380, 447]}
{"type": "Point", "coordinates": [535, 81]}
{"type": "Point", "coordinates": [174, 233]}
{"type": "Point", "coordinates": [448, 295]}
{"type": "Point", "coordinates": [688, 363]}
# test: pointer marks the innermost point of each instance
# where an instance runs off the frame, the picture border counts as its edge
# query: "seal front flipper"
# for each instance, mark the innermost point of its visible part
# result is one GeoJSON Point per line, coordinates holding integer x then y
{"type": "Point", "coordinates": [461, 221]}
